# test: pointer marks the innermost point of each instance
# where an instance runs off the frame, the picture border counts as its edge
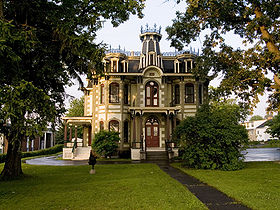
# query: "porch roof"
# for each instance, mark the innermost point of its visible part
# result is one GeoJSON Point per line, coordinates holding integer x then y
{"type": "Point", "coordinates": [78, 120]}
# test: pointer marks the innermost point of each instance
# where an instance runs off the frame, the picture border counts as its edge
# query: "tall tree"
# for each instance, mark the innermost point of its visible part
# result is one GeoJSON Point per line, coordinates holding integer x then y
{"type": "Point", "coordinates": [43, 45]}
{"type": "Point", "coordinates": [244, 71]}
{"type": "Point", "coordinates": [256, 117]}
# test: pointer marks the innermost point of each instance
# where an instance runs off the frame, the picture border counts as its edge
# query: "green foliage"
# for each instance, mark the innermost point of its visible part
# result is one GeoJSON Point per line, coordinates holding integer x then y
{"type": "Point", "coordinates": [27, 108]}
{"type": "Point", "coordinates": [213, 138]}
{"type": "Point", "coordinates": [243, 70]}
{"type": "Point", "coordinates": [52, 150]}
{"type": "Point", "coordinates": [2, 158]}
{"type": "Point", "coordinates": [76, 108]}
{"type": "Point", "coordinates": [256, 117]}
{"type": "Point", "coordinates": [105, 143]}
{"type": "Point", "coordinates": [43, 45]}
{"type": "Point", "coordinates": [274, 127]}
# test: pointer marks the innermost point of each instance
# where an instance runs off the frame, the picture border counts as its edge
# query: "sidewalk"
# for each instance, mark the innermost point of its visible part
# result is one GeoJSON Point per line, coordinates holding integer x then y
{"type": "Point", "coordinates": [211, 197]}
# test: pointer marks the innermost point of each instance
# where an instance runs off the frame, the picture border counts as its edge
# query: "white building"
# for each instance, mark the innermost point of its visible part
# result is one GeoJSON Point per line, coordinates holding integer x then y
{"type": "Point", "coordinates": [257, 130]}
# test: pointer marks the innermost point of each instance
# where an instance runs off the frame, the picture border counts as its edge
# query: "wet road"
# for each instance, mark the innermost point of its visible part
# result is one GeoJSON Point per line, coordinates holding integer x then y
{"type": "Point", "coordinates": [51, 161]}
{"type": "Point", "coordinates": [262, 154]}
{"type": "Point", "coordinates": [258, 154]}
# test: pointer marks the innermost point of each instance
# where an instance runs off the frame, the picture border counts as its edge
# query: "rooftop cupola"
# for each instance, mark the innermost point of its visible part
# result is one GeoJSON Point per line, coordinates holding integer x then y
{"type": "Point", "coordinates": [150, 53]}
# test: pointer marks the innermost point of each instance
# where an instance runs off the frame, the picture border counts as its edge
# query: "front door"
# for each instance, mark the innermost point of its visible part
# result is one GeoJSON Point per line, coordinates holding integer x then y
{"type": "Point", "coordinates": [152, 132]}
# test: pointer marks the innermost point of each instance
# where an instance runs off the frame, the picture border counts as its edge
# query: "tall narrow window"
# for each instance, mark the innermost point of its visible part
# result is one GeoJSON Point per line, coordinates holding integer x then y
{"type": "Point", "coordinates": [182, 67]}
{"type": "Point", "coordinates": [102, 94]}
{"type": "Point", "coordinates": [101, 125]}
{"type": "Point", "coordinates": [125, 92]}
{"type": "Point", "coordinates": [177, 94]}
{"type": "Point", "coordinates": [200, 93]}
{"type": "Point", "coordinates": [152, 92]}
{"type": "Point", "coordinates": [114, 93]}
{"type": "Point", "coordinates": [189, 66]}
{"type": "Point", "coordinates": [125, 132]}
{"type": "Point", "coordinates": [189, 93]}
{"type": "Point", "coordinates": [114, 125]}
{"type": "Point", "coordinates": [114, 66]}
{"type": "Point", "coordinates": [151, 59]}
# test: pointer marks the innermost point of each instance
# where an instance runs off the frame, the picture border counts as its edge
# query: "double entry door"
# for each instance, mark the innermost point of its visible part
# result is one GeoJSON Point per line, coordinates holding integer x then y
{"type": "Point", "coordinates": [152, 132]}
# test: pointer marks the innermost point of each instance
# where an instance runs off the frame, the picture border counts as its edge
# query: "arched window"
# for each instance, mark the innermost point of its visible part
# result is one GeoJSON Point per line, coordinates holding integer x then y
{"type": "Point", "coordinates": [114, 93]}
{"type": "Point", "coordinates": [177, 94]}
{"type": "Point", "coordinates": [101, 125]}
{"type": "Point", "coordinates": [189, 93]}
{"type": "Point", "coordinates": [114, 125]}
{"type": "Point", "coordinates": [102, 96]}
{"type": "Point", "coordinates": [152, 94]}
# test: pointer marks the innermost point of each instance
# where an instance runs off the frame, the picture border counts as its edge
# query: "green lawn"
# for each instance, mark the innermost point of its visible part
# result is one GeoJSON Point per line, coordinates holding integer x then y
{"type": "Point", "coordinates": [257, 185]}
{"type": "Point", "coordinates": [139, 186]}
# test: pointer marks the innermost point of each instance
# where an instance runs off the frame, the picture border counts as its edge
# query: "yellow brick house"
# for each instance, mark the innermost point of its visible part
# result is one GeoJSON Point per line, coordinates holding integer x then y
{"type": "Point", "coordinates": [142, 95]}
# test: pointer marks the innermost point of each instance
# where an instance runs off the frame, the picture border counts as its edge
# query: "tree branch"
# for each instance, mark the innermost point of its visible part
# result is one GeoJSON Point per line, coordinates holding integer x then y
{"type": "Point", "coordinates": [1, 9]}
{"type": "Point", "coordinates": [267, 37]}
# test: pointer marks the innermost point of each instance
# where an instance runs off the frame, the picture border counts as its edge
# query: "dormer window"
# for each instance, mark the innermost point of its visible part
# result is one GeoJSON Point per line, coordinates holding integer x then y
{"type": "Point", "coordinates": [189, 66]}
{"type": "Point", "coordinates": [114, 67]}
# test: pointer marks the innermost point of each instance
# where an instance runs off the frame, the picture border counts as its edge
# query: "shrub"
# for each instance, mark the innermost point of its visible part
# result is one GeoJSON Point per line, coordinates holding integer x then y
{"type": "Point", "coordinates": [48, 151]}
{"type": "Point", "coordinates": [105, 143]}
{"type": "Point", "coordinates": [213, 138]}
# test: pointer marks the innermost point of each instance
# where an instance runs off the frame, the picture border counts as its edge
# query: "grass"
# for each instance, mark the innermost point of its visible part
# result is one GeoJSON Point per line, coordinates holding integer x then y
{"type": "Point", "coordinates": [125, 186]}
{"type": "Point", "coordinates": [257, 185]}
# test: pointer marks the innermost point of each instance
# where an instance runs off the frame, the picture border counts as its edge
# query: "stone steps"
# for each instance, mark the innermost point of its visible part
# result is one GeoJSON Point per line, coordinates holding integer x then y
{"type": "Point", "coordinates": [156, 155]}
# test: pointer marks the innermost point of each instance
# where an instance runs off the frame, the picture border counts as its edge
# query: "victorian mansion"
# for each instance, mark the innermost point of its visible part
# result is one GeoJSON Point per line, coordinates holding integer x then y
{"type": "Point", "coordinates": [142, 95]}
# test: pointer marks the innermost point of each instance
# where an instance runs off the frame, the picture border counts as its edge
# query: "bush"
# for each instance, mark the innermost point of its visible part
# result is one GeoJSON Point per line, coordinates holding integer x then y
{"type": "Point", "coordinates": [105, 143]}
{"type": "Point", "coordinates": [48, 151]}
{"type": "Point", "coordinates": [213, 138]}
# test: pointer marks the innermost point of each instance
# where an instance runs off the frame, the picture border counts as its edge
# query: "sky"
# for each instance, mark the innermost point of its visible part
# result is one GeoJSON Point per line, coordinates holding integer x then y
{"type": "Point", "coordinates": [161, 13]}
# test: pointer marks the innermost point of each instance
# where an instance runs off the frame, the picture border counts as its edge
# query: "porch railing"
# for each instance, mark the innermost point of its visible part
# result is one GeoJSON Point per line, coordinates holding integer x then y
{"type": "Point", "coordinates": [170, 145]}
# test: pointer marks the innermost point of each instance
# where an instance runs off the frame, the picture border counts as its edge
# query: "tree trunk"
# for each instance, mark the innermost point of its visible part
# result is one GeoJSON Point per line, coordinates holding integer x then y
{"type": "Point", "coordinates": [12, 168]}
{"type": "Point", "coordinates": [1, 9]}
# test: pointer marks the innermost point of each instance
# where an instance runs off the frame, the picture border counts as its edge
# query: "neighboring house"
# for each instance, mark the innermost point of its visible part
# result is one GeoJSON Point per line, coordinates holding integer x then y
{"type": "Point", "coordinates": [261, 133]}
{"type": "Point", "coordinates": [32, 144]}
{"type": "Point", "coordinates": [142, 95]}
{"type": "Point", "coordinates": [39, 142]}
{"type": "Point", "coordinates": [257, 130]}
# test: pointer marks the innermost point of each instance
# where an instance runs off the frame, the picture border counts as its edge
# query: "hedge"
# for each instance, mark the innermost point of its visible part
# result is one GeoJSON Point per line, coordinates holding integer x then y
{"type": "Point", "coordinates": [48, 151]}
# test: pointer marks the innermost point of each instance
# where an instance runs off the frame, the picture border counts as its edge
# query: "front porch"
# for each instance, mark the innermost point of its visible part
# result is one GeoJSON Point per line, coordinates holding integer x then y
{"type": "Point", "coordinates": [76, 148]}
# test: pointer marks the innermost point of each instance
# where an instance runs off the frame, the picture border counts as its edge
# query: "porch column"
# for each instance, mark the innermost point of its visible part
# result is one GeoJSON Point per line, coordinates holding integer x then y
{"type": "Point", "coordinates": [141, 129]}
{"type": "Point", "coordinates": [70, 135]}
{"type": "Point", "coordinates": [45, 140]}
{"type": "Point", "coordinates": [89, 136]}
{"type": "Point", "coordinates": [134, 127]}
{"type": "Point", "coordinates": [65, 134]}
{"type": "Point", "coordinates": [174, 121]}
{"type": "Point", "coordinates": [76, 134]}
{"type": "Point", "coordinates": [168, 126]}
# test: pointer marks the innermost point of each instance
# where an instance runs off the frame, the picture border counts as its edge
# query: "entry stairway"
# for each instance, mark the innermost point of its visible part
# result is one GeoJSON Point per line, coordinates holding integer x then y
{"type": "Point", "coordinates": [156, 155]}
